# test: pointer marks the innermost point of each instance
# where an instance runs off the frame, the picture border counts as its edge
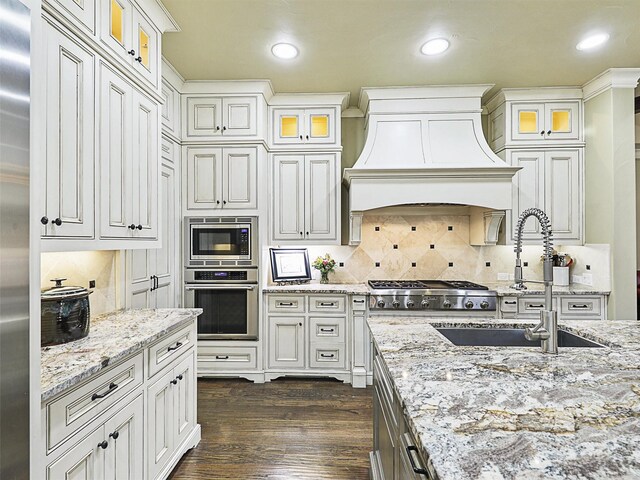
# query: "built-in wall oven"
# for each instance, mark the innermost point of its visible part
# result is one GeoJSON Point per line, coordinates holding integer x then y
{"type": "Point", "coordinates": [221, 241]}
{"type": "Point", "coordinates": [228, 299]}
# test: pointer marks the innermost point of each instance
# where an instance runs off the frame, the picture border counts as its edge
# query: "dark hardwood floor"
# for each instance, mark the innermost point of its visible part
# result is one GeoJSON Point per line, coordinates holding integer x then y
{"type": "Point", "coordinates": [286, 429]}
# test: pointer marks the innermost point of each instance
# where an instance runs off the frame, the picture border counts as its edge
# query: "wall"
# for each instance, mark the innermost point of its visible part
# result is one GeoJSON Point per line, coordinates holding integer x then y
{"type": "Point", "coordinates": [80, 267]}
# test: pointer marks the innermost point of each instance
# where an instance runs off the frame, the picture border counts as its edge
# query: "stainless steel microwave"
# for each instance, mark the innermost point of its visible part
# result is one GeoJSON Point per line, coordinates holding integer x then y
{"type": "Point", "coordinates": [221, 241]}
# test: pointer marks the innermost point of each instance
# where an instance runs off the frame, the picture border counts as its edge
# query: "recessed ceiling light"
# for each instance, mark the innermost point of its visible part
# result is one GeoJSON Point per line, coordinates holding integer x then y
{"type": "Point", "coordinates": [284, 50]}
{"type": "Point", "coordinates": [435, 46]}
{"type": "Point", "coordinates": [592, 41]}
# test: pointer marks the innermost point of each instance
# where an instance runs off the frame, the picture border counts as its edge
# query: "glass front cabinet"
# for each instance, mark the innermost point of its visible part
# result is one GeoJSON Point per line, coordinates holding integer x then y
{"type": "Point", "coordinates": [304, 126]}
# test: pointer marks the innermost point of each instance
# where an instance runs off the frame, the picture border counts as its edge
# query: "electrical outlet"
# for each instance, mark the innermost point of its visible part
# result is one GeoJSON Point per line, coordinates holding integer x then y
{"type": "Point", "coordinates": [503, 276]}
{"type": "Point", "coordinates": [576, 279]}
{"type": "Point", "coordinates": [587, 278]}
{"type": "Point", "coordinates": [92, 284]}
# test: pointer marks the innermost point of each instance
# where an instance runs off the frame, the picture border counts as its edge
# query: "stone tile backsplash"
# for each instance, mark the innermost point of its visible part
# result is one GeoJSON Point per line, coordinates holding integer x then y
{"type": "Point", "coordinates": [437, 247]}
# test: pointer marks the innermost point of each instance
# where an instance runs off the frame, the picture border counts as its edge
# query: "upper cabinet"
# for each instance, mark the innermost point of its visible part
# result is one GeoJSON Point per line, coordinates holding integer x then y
{"type": "Point", "coordinates": [532, 117]}
{"type": "Point", "coordinates": [210, 118]}
{"type": "Point", "coordinates": [302, 126]}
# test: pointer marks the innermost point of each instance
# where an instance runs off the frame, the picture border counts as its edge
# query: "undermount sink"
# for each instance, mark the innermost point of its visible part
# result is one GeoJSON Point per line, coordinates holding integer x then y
{"type": "Point", "coordinates": [506, 337]}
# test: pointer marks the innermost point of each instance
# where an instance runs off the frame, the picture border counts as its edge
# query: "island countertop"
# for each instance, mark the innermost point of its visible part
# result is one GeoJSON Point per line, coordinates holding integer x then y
{"type": "Point", "coordinates": [515, 413]}
{"type": "Point", "coordinates": [112, 337]}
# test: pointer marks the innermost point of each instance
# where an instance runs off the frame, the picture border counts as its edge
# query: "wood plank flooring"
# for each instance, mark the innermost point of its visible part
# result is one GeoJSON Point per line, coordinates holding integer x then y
{"type": "Point", "coordinates": [285, 429]}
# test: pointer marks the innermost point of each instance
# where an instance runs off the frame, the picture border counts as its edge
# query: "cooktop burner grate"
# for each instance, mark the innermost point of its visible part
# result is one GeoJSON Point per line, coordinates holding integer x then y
{"type": "Point", "coordinates": [425, 284]}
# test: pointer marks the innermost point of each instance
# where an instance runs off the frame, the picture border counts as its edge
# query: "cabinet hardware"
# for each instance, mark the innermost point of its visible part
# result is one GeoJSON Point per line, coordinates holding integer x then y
{"type": "Point", "coordinates": [579, 306]}
{"type": "Point", "coordinates": [57, 221]}
{"type": "Point", "coordinates": [509, 303]}
{"type": "Point", "coordinates": [416, 469]}
{"type": "Point", "coordinates": [328, 330]}
{"type": "Point", "coordinates": [139, 227]}
{"type": "Point", "coordinates": [300, 324]}
{"type": "Point", "coordinates": [549, 132]}
{"type": "Point", "coordinates": [132, 52]}
{"type": "Point", "coordinates": [103, 444]}
{"type": "Point", "coordinates": [300, 137]}
{"type": "Point", "coordinates": [224, 202]}
{"type": "Point", "coordinates": [157, 282]}
{"type": "Point", "coordinates": [307, 137]}
{"type": "Point", "coordinates": [132, 227]}
{"type": "Point", "coordinates": [285, 304]}
{"type": "Point", "coordinates": [174, 381]}
{"type": "Point", "coordinates": [327, 355]}
{"type": "Point", "coordinates": [138, 59]}
{"type": "Point", "coordinates": [542, 133]}
{"type": "Point", "coordinates": [114, 435]}
{"type": "Point", "coordinates": [218, 128]}
{"type": "Point", "coordinates": [222, 357]}
{"type": "Point", "coordinates": [358, 301]}
{"type": "Point", "coordinates": [327, 304]}
{"type": "Point", "coordinates": [44, 220]}
{"type": "Point", "coordinates": [217, 202]}
{"type": "Point", "coordinates": [171, 349]}
{"type": "Point", "coordinates": [224, 128]}
{"type": "Point", "coordinates": [112, 388]}
{"type": "Point", "coordinates": [307, 234]}
{"type": "Point", "coordinates": [300, 233]}
{"type": "Point", "coordinates": [531, 305]}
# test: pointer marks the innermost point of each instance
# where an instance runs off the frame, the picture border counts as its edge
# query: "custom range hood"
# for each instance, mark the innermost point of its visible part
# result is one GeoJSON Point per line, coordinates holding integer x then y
{"type": "Point", "coordinates": [424, 145]}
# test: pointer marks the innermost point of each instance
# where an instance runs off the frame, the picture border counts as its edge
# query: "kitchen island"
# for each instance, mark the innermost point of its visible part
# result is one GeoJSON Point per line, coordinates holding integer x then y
{"type": "Point", "coordinates": [514, 413]}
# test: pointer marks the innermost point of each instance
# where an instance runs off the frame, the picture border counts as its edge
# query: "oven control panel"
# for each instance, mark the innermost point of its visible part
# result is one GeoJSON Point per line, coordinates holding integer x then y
{"type": "Point", "coordinates": [220, 275]}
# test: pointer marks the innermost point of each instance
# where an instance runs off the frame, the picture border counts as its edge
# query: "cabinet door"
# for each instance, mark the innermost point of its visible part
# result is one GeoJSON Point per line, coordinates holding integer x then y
{"type": "Point", "coordinates": [170, 108]}
{"type": "Point", "coordinates": [286, 342]}
{"type": "Point", "coordinates": [116, 27]}
{"type": "Point", "coordinates": [288, 197]}
{"type": "Point", "coordinates": [82, 11]}
{"type": "Point", "coordinates": [85, 461]}
{"type": "Point", "coordinates": [70, 143]}
{"type": "Point", "coordinates": [384, 440]}
{"type": "Point", "coordinates": [320, 197]}
{"type": "Point", "coordinates": [320, 125]}
{"type": "Point", "coordinates": [239, 116]}
{"type": "Point", "coordinates": [288, 126]}
{"type": "Point", "coordinates": [204, 117]}
{"type": "Point", "coordinates": [240, 171]}
{"type": "Point", "coordinates": [184, 399]}
{"type": "Point", "coordinates": [124, 433]}
{"type": "Point", "coordinates": [160, 424]}
{"type": "Point", "coordinates": [204, 178]}
{"type": "Point", "coordinates": [164, 267]}
{"type": "Point", "coordinates": [144, 167]}
{"type": "Point", "coordinates": [139, 265]}
{"type": "Point", "coordinates": [562, 121]}
{"type": "Point", "coordinates": [146, 47]}
{"type": "Point", "coordinates": [563, 193]}
{"type": "Point", "coordinates": [527, 121]}
{"type": "Point", "coordinates": [115, 155]}
{"type": "Point", "coordinates": [528, 190]}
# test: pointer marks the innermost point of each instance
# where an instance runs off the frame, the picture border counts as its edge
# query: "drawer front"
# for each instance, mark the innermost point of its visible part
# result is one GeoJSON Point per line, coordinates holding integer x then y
{"type": "Point", "coordinates": [327, 356]}
{"type": "Point", "coordinates": [358, 303]}
{"type": "Point", "coordinates": [284, 304]}
{"type": "Point", "coordinates": [383, 384]}
{"type": "Point", "coordinates": [578, 305]}
{"type": "Point", "coordinates": [509, 304]}
{"type": "Point", "coordinates": [163, 352]}
{"type": "Point", "coordinates": [167, 150]}
{"type": "Point", "coordinates": [227, 358]}
{"type": "Point", "coordinates": [83, 404]}
{"type": "Point", "coordinates": [327, 329]}
{"type": "Point", "coordinates": [531, 304]}
{"type": "Point", "coordinates": [327, 304]}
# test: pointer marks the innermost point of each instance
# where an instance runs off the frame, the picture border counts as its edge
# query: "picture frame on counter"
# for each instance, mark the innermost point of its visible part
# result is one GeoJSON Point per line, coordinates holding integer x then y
{"type": "Point", "coordinates": [290, 265]}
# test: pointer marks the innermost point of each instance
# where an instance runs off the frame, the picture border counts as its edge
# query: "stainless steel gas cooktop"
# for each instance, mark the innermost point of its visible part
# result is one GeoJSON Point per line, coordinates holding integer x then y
{"type": "Point", "coordinates": [429, 295]}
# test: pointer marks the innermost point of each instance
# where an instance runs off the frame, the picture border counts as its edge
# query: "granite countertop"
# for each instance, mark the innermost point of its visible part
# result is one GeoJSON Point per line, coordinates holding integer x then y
{"type": "Point", "coordinates": [515, 413]}
{"type": "Point", "coordinates": [337, 288]}
{"type": "Point", "coordinates": [112, 337]}
{"type": "Point", "coordinates": [504, 289]}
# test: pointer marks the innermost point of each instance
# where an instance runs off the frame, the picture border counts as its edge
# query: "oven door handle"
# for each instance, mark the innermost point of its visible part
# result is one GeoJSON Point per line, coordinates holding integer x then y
{"type": "Point", "coordinates": [219, 287]}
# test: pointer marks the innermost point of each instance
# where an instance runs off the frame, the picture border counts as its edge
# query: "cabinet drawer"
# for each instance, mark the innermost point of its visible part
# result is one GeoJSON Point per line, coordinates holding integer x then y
{"type": "Point", "coordinates": [359, 303]}
{"type": "Point", "coordinates": [83, 404]}
{"type": "Point", "coordinates": [163, 352]}
{"type": "Point", "coordinates": [580, 306]}
{"type": "Point", "coordinates": [167, 150]}
{"type": "Point", "coordinates": [327, 356]}
{"type": "Point", "coordinates": [509, 304]}
{"type": "Point", "coordinates": [227, 358]}
{"type": "Point", "coordinates": [283, 304]}
{"type": "Point", "coordinates": [327, 329]}
{"type": "Point", "coordinates": [326, 304]}
{"type": "Point", "coordinates": [531, 304]}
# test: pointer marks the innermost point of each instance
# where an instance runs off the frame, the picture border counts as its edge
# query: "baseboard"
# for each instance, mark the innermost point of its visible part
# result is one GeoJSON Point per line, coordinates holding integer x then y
{"type": "Point", "coordinates": [252, 376]}
{"type": "Point", "coordinates": [190, 442]}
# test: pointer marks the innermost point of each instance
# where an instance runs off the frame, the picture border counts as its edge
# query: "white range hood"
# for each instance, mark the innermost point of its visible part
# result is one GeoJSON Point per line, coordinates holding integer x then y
{"type": "Point", "coordinates": [425, 145]}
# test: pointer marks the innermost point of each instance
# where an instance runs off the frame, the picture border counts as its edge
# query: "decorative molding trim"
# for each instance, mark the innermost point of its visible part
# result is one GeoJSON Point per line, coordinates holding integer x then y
{"type": "Point", "coordinates": [309, 99]}
{"type": "Point", "coordinates": [611, 78]}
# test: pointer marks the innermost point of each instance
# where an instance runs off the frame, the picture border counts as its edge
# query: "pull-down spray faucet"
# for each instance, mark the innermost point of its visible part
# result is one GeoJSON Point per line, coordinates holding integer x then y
{"type": "Point", "coordinates": [547, 329]}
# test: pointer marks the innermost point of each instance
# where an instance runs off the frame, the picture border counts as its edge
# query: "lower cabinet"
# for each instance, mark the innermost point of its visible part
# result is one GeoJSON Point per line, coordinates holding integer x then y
{"type": "Point", "coordinates": [569, 307]}
{"type": "Point", "coordinates": [116, 426]}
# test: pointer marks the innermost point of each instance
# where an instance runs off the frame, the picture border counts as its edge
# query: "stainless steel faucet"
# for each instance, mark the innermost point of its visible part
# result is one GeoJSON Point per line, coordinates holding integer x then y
{"type": "Point", "coordinates": [547, 330]}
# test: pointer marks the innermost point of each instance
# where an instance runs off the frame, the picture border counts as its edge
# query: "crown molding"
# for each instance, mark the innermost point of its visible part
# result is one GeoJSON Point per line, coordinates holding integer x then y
{"type": "Point", "coordinates": [612, 78]}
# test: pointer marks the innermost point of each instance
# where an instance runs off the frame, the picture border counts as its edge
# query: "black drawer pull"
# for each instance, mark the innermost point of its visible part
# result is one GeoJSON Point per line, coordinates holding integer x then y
{"type": "Point", "coordinates": [329, 330]}
{"type": "Point", "coordinates": [178, 345]}
{"type": "Point", "coordinates": [358, 301]}
{"type": "Point", "coordinates": [112, 388]}
{"type": "Point", "coordinates": [327, 304]}
{"type": "Point", "coordinates": [580, 306]}
{"type": "Point", "coordinates": [327, 355]}
{"type": "Point", "coordinates": [531, 305]}
{"type": "Point", "coordinates": [222, 357]}
{"type": "Point", "coordinates": [510, 303]}
{"type": "Point", "coordinates": [285, 304]}
{"type": "Point", "coordinates": [421, 471]}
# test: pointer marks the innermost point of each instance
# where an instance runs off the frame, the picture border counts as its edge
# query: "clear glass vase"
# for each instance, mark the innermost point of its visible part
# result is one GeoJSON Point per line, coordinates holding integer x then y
{"type": "Point", "coordinates": [324, 277]}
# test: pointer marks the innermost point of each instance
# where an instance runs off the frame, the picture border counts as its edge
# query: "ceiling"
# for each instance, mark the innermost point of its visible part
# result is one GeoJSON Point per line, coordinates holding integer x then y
{"type": "Point", "coordinates": [348, 44]}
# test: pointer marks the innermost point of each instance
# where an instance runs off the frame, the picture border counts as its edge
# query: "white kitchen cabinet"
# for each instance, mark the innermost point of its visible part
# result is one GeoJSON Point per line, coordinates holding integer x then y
{"type": "Point", "coordinates": [129, 160]}
{"type": "Point", "coordinates": [545, 121]}
{"type": "Point", "coordinates": [221, 178]}
{"type": "Point", "coordinates": [133, 39]}
{"type": "Point", "coordinates": [82, 14]}
{"type": "Point", "coordinates": [170, 413]}
{"type": "Point", "coordinates": [84, 461]}
{"type": "Point", "coordinates": [569, 307]}
{"type": "Point", "coordinates": [152, 277]}
{"type": "Point", "coordinates": [170, 110]}
{"type": "Point", "coordinates": [305, 197]}
{"type": "Point", "coordinates": [214, 117]}
{"type": "Point", "coordinates": [286, 341]}
{"type": "Point", "coordinates": [303, 126]}
{"type": "Point", "coordinates": [552, 181]}
{"type": "Point", "coordinates": [70, 146]}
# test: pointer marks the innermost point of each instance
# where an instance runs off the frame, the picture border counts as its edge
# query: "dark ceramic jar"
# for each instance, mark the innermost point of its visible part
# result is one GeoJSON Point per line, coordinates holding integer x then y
{"type": "Point", "coordinates": [64, 314]}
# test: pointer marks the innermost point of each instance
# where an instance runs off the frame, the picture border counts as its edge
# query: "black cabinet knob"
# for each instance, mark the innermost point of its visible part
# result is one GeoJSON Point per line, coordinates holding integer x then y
{"type": "Point", "coordinates": [300, 137]}
{"type": "Point", "coordinates": [132, 52]}
{"type": "Point", "coordinates": [114, 435]}
{"type": "Point", "coordinates": [300, 324]}
{"type": "Point", "coordinates": [139, 227]}
{"type": "Point", "coordinates": [307, 137]}
{"type": "Point", "coordinates": [138, 59]}
{"type": "Point", "coordinates": [218, 202]}
{"type": "Point", "coordinates": [132, 227]}
{"type": "Point", "coordinates": [57, 221]}
{"type": "Point", "coordinates": [300, 233]}
{"type": "Point", "coordinates": [44, 220]}
{"type": "Point", "coordinates": [174, 381]}
{"type": "Point", "coordinates": [224, 202]}
{"type": "Point", "coordinates": [542, 133]}
{"type": "Point", "coordinates": [180, 377]}
{"type": "Point", "coordinates": [307, 234]}
{"type": "Point", "coordinates": [548, 132]}
{"type": "Point", "coordinates": [224, 128]}
{"type": "Point", "coordinates": [217, 128]}
{"type": "Point", "coordinates": [103, 444]}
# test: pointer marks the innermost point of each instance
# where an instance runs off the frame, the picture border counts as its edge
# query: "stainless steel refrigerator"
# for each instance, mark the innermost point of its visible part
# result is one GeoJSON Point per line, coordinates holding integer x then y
{"type": "Point", "coordinates": [14, 239]}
